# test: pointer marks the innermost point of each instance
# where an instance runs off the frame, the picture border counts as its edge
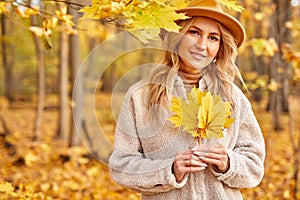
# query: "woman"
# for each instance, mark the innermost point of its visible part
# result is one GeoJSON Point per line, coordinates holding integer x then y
{"type": "Point", "coordinates": [154, 158]}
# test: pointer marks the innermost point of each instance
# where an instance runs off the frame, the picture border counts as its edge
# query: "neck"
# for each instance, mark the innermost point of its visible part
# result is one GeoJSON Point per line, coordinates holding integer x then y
{"type": "Point", "coordinates": [190, 77]}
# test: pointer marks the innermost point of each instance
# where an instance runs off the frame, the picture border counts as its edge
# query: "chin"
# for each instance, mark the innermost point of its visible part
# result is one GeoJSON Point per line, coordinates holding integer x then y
{"type": "Point", "coordinates": [200, 66]}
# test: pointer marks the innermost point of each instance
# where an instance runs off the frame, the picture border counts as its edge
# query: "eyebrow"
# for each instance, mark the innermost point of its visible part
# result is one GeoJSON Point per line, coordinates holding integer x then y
{"type": "Point", "coordinates": [212, 33]}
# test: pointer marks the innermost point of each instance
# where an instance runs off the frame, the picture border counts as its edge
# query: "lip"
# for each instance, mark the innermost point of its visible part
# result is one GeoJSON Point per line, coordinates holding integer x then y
{"type": "Point", "coordinates": [198, 56]}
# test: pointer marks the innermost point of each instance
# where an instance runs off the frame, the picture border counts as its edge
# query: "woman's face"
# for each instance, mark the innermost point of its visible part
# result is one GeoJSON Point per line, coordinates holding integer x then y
{"type": "Point", "coordinates": [200, 45]}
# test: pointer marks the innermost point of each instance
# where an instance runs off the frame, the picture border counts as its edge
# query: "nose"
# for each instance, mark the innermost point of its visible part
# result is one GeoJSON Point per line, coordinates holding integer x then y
{"type": "Point", "coordinates": [201, 43]}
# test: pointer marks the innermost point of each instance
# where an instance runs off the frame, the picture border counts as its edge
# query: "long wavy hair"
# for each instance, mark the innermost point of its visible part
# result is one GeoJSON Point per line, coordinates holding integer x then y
{"type": "Point", "coordinates": [219, 76]}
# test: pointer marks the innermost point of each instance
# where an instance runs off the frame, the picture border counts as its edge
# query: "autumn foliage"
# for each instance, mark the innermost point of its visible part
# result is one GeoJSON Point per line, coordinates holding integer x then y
{"type": "Point", "coordinates": [50, 170]}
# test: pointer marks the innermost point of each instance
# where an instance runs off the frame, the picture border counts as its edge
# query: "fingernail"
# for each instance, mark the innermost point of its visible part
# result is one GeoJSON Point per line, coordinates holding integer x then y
{"type": "Point", "coordinates": [194, 149]}
{"type": "Point", "coordinates": [197, 153]}
{"type": "Point", "coordinates": [201, 157]}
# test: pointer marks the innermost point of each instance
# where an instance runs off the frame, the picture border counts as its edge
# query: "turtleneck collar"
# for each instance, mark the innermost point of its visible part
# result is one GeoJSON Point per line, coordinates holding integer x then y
{"type": "Point", "coordinates": [189, 78]}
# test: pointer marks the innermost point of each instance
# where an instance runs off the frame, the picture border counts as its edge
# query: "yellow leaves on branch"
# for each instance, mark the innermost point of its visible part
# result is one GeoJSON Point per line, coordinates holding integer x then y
{"type": "Point", "coordinates": [45, 32]}
{"type": "Point", "coordinates": [151, 18]}
{"type": "Point", "coordinates": [4, 7]}
{"type": "Point", "coordinates": [102, 9]}
{"type": "Point", "coordinates": [274, 85]}
{"type": "Point", "coordinates": [291, 51]}
{"type": "Point", "coordinates": [142, 18]}
{"type": "Point", "coordinates": [65, 18]}
{"type": "Point", "coordinates": [266, 47]}
{"type": "Point", "coordinates": [27, 12]}
{"type": "Point", "coordinates": [231, 4]}
{"type": "Point", "coordinates": [40, 31]}
{"type": "Point", "coordinates": [49, 23]}
{"type": "Point", "coordinates": [292, 56]}
{"type": "Point", "coordinates": [201, 114]}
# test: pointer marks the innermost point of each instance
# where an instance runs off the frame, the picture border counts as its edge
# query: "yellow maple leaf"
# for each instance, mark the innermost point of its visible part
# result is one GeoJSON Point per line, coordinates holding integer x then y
{"type": "Point", "coordinates": [67, 19]}
{"type": "Point", "coordinates": [201, 114]}
{"type": "Point", "coordinates": [146, 20]}
{"type": "Point", "coordinates": [231, 4]}
{"type": "Point", "coordinates": [176, 107]}
{"type": "Point", "coordinates": [144, 35]}
{"type": "Point", "coordinates": [38, 31]}
{"type": "Point", "coordinates": [143, 19]}
{"type": "Point", "coordinates": [102, 9]}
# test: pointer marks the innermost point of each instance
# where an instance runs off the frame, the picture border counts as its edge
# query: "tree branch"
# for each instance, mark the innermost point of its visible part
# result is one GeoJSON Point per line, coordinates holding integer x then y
{"type": "Point", "coordinates": [44, 12]}
{"type": "Point", "coordinates": [66, 2]}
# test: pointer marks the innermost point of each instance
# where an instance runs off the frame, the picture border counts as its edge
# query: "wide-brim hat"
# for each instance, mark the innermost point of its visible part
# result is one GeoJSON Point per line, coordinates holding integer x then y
{"type": "Point", "coordinates": [212, 9]}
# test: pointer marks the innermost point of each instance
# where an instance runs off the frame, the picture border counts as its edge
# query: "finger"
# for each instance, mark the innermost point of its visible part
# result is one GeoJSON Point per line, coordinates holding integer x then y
{"type": "Point", "coordinates": [219, 160]}
{"type": "Point", "coordinates": [212, 155]}
{"type": "Point", "coordinates": [187, 163]}
{"type": "Point", "coordinates": [215, 159]}
{"type": "Point", "coordinates": [200, 154]}
{"type": "Point", "coordinates": [218, 149]}
{"type": "Point", "coordinates": [188, 155]}
{"type": "Point", "coordinates": [211, 160]}
{"type": "Point", "coordinates": [197, 162]}
{"type": "Point", "coordinates": [203, 150]}
{"type": "Point", "coordinates": [219, 163]}
{"type": "Point", "coordinates": [193, 166]}
{"type": "Point", "coordinates": [189, 159]}
{"type": "Point", "coordinates": [196, 148]}
{"type": "Point", "coordinates": [195, 169]}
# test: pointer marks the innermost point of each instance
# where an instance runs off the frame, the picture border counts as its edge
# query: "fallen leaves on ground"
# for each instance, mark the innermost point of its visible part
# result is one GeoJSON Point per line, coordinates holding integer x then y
{"type": "Point", "coordinates": [48, 169]}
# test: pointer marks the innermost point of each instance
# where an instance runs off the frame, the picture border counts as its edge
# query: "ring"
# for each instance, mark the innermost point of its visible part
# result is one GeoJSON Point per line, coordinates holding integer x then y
{"type": "Point", "coordinates": [187, 162]}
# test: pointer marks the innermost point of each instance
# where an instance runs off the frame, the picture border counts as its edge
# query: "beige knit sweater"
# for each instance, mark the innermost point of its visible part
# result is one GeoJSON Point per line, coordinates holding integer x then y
{"type": "Point", "coordinates": [144, 152]}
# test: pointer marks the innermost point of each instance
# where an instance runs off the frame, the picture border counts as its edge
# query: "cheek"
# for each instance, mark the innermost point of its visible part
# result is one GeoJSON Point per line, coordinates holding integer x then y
{"type": "Point", "coordinates": [181, 49]}
{"type": "Point", "coordinates": [213, 50]}
{"type": "Point", "coordinates": [186, 43]}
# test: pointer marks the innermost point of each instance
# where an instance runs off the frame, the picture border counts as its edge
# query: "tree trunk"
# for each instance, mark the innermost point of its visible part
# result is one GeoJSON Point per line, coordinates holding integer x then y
{"type": "Point", "coordinates": [77, 96]}
{"type": "Point", "coordinates": [63, 118]}
{"type": "Point", "coordinates": [278, 100]}
{"type": "Point", "coordinates": [6, 58]}
{"type": "Point", "coordinates": [109, 78]}
{"type": "Point", "coordinates": [41, 81]}
{"type": "Point", "coordinates": [257, 61]}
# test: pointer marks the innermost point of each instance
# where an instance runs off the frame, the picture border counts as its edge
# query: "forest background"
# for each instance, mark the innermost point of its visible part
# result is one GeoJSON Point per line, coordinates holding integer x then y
{"type": "Point", "coordinates": [65, 66]}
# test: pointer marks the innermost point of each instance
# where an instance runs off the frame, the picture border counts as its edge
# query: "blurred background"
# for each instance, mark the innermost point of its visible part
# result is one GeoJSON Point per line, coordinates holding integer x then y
{"type": "Point", "coordinates": [64, 72]}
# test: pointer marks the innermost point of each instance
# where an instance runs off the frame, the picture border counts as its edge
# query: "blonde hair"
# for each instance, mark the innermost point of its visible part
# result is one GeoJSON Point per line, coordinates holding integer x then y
{"type": "Point", "coordinates": [219, 77]}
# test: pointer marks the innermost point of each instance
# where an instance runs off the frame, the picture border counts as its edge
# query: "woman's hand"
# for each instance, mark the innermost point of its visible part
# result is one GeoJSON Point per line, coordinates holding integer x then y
{"type": "Point", "coordinates": [185, 162]}
{"type": "Point", "coordinates": [217, 156]}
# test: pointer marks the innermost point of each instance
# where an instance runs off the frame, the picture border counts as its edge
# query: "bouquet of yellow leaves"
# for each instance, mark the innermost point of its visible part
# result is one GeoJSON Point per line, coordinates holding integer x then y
{"type": "Point", "coordinates": [201, 114]}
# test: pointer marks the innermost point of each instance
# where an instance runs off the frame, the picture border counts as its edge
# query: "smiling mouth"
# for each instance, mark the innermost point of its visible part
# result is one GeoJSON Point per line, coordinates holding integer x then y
{"type": "Point", "coordinates": [198, 56]}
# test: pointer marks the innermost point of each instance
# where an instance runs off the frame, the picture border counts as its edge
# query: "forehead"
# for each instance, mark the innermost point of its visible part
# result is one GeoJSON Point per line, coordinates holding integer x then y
{"type": "Point", "coordinates": [206, 24]}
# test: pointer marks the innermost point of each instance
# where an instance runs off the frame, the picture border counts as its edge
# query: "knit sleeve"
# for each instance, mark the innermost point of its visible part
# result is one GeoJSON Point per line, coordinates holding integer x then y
{"type": "Point", "coordinates": [247, 157]}
{"type": "Point", "coordinates": [128, 164]}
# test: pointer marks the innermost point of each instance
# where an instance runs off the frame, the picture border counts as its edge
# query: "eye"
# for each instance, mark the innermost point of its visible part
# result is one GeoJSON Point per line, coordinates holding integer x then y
{"type": "Point", "coordinates": [194, 32]}
{"type": "Point", "coordinates": [214, 38]}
